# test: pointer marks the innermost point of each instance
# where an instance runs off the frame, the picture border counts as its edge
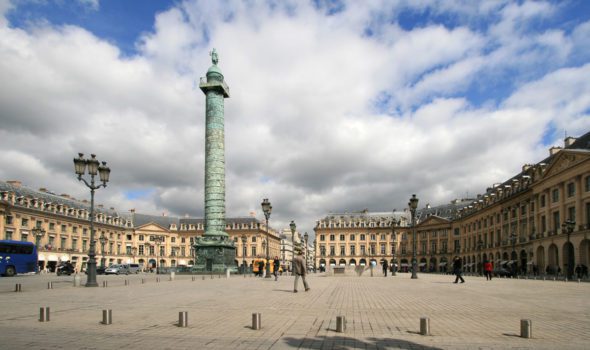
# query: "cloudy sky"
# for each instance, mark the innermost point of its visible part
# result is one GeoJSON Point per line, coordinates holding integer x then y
{"type": "Point", "coordinates": [335, 105]}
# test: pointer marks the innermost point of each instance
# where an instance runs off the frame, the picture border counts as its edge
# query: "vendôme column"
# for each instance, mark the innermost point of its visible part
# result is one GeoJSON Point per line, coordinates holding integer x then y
{"type": "Point", "coordinates": [215, 251]}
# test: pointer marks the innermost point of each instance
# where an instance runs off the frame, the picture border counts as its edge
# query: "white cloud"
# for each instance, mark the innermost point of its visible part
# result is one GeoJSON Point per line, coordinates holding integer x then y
{"type": "Point", "coordinates": [302, 125]}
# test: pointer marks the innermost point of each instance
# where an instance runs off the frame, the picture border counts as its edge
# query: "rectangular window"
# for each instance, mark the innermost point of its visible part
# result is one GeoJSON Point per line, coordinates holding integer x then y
{"type": "Point", "coordinates": [404, 249]}
{"type": "Point", "coordinates": [373, 237]}
{"type": "Point", "coordinates": [543, 223]}
{"type": "Point", "coordinates": [542, 199]}
{"type": "Point", "coordinates": [322, 238]}
{"type": "Point", "coordinates": [382, 249]}
{"type": "Point", "coordinates": [352, 237]}
{"type": "Point", "coordinates": [75, 229]}
{"type": "Point", "coordinates": [323, 250]}
{"type": "Point", "coordinates": [382, 237]}
{"type": "Point", "coordinates": [587, 186]}
{"type": "Point", "coordinates": [571, 189]}
{"type": "Point", "coordinates": [332, 238]}
{"type": "Point", "coordinates": [128, 250]}
{"type": "Point", "coordinates": [523, 210]}
{"type": "Point", "coordinates": [172, 239]}
{"type": "Point", "coordinates": [571, 213]}
{"type": "Point", "coordinates": [8, 235]}
{"type": "Point", "coordinates": [141, 249]}
{"type": "Point", "coordinates": [372, 249]}
{"type": "Point", "coordinates": [62, 244]}
{"type": "Point", "coordinates": [342, 250]}
{"type": "Point", "coordinates": [332, 250]}
{"type": "Point", "coordinates": [362, 237]}
{"type": "Point", "coordinates": [24, 222]}
{"type": "Point", "coordinates": [342, 238]}
{"type": "Point", "coordinates": [555, 195]}
{"type": "Point", "coordinates": [254, 241]}
{"type": "Point", "coordinates": [84, 243]}
{"type": "Point", "coordinates": [8, 219]}
{"type": "Point", "coordinates": [556, 222]}
{"type": "Point", "coordinates": [152, 250]}
{"type": "Point", "coordinates": [352, 249]}
{"type": "Point", "coordinates": [63, 228]}
{"type": "Point", "coordinates": [363, 250]}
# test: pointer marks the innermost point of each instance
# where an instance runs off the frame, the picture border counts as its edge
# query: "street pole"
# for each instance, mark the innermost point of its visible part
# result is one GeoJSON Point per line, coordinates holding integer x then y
{"type": "Point", "coordinates": [267, 209]}
{"type": "Point", "coordinates": [103, 171]}
{"type": "Point", "coordinates": [413, 205]}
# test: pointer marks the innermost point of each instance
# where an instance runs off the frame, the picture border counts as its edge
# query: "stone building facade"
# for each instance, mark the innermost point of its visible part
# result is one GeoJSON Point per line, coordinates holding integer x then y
{"type": "Point", "coordinates": [60, 227]}
{"type": "Point", "coordinates": [535, 222]}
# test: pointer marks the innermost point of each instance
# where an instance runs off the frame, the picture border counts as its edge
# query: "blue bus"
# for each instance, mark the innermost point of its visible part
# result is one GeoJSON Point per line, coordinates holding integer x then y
{"type": "Point", "coordinates": [17, 257]}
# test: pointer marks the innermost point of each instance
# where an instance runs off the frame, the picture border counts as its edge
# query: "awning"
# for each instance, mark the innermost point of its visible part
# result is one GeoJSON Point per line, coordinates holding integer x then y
{"type": "Point", "coordinates": [422, 264]}
{"type": "Point", "coordinates": [529, 263]}
{"type": "Point", "coordinates": [404, 265]}
{"type": "Point", "coordinates": [41, 257]}
{"type": "Point", "coordinates": [52, 258]}
{"type": "Point", "coordinates": [503, 262]}
{"type": "Point", "coordinates": [442, 264]}
{"type": "Point", "coordinates": [64, 258]}
{"type": "Point", "coordinates": [511, 262]}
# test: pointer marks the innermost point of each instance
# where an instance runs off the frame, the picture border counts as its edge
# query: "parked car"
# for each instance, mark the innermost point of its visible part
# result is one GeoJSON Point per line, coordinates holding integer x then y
{"type": "Point", "coordinates": [502, 272]}
{"type": "Point", "coordinates": [117, 269]}
{"type": "Point", "coordinates": [134, 268]}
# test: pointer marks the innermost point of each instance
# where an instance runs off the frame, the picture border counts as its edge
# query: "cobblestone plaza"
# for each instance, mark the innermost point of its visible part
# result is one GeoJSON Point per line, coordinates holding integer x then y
{"type": "Point", "coordinates": [381, 313]}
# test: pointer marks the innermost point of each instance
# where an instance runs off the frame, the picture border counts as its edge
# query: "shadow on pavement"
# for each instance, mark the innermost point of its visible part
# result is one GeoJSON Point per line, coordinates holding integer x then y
{"type": "Point", "coordinates": [346, 343]}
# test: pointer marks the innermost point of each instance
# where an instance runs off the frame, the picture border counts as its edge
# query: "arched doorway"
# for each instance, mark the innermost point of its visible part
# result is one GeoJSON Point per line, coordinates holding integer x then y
{"type": "Point", "coordinates": [352, 262]}
{"type": "Point", "coordinates": [422, 265]}
{"type": "Point", "coordinates": [432, 265]}
{"type": "Point", "coordinates": [332, 262]}
{"type": "Point", "coordinates": [523, 261]}
{"type": "Point", "coordinates": [404, 266]}
{"type": "Point", "coordinates": [569, 259]}
{"type": "Point", "coordinates": [541, 259]}
{"type": "Point", "coordinates": [552, 259]}
{"type": "Point", "coordinates": [363, 262]}
{"type": "Point", "coordinates": [342, 262]}
{"type": "Point", "coordinates": [584, 258]}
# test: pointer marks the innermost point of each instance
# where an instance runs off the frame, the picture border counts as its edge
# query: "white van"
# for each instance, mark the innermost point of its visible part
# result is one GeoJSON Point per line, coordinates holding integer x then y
{"type": "Point", "coordinates": [134, 268]}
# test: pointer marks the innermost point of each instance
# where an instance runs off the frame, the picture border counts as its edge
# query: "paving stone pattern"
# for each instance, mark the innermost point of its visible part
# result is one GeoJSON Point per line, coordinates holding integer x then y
{"type": "Point", "coordinates": [381, 313]}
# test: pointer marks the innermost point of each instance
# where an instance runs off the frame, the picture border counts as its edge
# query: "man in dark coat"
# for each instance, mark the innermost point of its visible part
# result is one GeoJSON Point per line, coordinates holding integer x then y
{"type": "Point", "coordinates": [458, 269]}
{"type": "Point", "coordinates": [385, 267]}
{"type": "Point", "coordinates": [300, 271]}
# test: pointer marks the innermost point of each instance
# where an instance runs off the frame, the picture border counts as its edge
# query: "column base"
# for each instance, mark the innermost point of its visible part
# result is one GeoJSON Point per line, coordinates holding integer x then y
{"type": "Point", "coordinates": [215, 254]}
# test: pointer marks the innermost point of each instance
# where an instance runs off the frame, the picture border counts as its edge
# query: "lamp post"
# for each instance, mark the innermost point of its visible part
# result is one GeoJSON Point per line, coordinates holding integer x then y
{"type": "Point", "coordinates": [39, 233]}
{"type": "Point", "coordinates": [413, 204]}
{"type": "Point", "coordinates": [103, 240]}
{"type": "Point", "coordinates": [568, 226]}
{"type": "Point", "coordinates": [293, 227]}
{"type": "Point", "coordinates": [394, 239]}
{"type": "Point", "coordinates": [94, 168]}
{"type": "Point", "coordinates": [158, 240]}
{"type": "Point", "coordinates": [267, 209]}
{"type": "Point", "coordinates": [306, 237]}
{"type": "Point", "coordinates": [244, 240]}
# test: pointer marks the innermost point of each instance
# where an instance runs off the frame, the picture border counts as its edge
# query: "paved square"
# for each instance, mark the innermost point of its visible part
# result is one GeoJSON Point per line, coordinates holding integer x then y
{"type": "Point", "coordinates": [381, 313]}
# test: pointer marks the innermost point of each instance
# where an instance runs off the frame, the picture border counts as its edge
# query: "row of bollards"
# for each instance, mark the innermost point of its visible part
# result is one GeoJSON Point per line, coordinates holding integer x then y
{"type": "Point", "coordinates": [526, 328]}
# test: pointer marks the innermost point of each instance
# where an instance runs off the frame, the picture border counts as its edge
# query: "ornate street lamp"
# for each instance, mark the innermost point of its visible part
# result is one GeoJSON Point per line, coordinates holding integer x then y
{"type": "Point", "coordinates": [293, 227]}
{"type": "Point", "coordinates": [93, 166]}
{"type": "Point", "coordinates": [133, 254]}
{"type": "Point", "coordinates": [306, 237]}
{"type": "Point", "coordinates": [413, 204]}
{"type": "Point", "coordinates": [568, 226]}
{"type": "Point", "coordinates": [103, 240]}
{"type": "Point", "coordinates": [39, 233]}
{"type": "Point", "coordinates": [244, 240]}
{"type": "Point", "coordinates": [394, 239]}
{"type": "Point", "coordinates": [158, 240]}
{"type": "Point", "coordinates": [267, 209]}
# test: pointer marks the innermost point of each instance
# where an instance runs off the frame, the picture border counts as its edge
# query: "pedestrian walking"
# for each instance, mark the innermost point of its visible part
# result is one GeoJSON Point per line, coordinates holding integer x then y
{"type": "Point", "coordinates": [277, 265]}
{"type": "Point", "coordinates": [385, 266]}
{"type": "Point", "coordinates": [458, 269]}
{"type": "Point", "coordinates": [487, 269]}
{"type": "Point", "coordinates": [300, 271]}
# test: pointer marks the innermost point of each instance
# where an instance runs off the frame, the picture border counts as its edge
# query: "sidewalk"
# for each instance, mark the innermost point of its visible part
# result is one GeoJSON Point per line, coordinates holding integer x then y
{"type": "Point", "coordinates": [382, 313]}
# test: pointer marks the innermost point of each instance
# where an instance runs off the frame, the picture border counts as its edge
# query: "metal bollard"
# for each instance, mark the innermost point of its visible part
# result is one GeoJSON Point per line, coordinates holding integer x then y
{"type": "Point", "coordinates": [424, 326]}
{"type": "Point", "coordinates": [107, 316]}
{"type": "Point", "coordinates": [49, 285]}
{"type": "Point", "coordinates": [526, 329]}
{"type": "Point", "coordinates": [172, 275]}
{"type": "Point", "coordinates": [203, 278]}
{"type": "Point", "coordinates": [193, 278]}
{"type": "Point", "coordinates": [77, 280]}
{"type": "Point", "coordinates": [143, 281]}
{"type": "Point", "coordinates": [18, 288]}
{"type": "Point", "coordinates": [183, 319]}
{"type": "Point", "coordinates": [105, 284]}
{"type": "Point", "coordinates": [44, 314]}
{"type": "Point", "coordinates": [126, 282]}
{"type": "Point", "coordinates": [340, 324]}
{"type": "Point", "coordinates": [157, 279]}
{"type": "Point", "coordinates": [256, 321]}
